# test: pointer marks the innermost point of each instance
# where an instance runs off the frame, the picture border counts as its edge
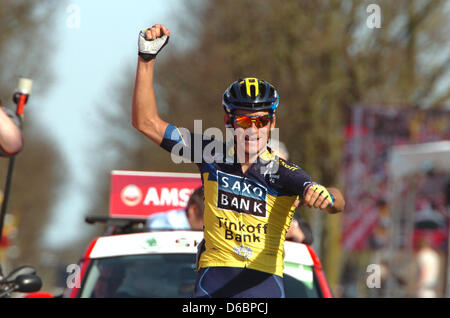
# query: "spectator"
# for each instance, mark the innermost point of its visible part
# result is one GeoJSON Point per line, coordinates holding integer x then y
{"type": "Point", "coordinates": [190, 218]}
{"type": "Point", "coordinates": [428, 263]}
{"type": "Point", "coordinates": [11, 141]}
{"type": "Point", "coordinates": [299, 231]}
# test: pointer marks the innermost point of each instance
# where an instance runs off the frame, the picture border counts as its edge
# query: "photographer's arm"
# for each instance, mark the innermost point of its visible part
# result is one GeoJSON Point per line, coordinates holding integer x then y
{"type": "Point", "coordinates": [11, 140]}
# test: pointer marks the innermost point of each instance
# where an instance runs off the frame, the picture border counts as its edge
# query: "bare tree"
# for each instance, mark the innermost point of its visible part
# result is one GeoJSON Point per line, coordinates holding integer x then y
{"type": "Point", "coordinates": [25, 44]}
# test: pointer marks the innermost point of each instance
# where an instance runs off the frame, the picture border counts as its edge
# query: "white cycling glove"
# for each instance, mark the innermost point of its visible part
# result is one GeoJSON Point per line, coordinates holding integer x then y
{"type": "Point", "coordinates": [148, 49]}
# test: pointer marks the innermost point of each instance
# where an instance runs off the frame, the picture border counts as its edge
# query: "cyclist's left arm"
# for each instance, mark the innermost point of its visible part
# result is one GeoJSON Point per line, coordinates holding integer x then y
{"type": "Point", "coordinates": [339, 202]}
{"type": "Point", "coordinates": [311, 193]}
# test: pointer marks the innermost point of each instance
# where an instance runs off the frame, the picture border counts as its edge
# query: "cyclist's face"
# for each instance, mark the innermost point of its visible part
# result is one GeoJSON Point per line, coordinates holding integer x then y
{"type": "Point", "coordinates": [252, 130]}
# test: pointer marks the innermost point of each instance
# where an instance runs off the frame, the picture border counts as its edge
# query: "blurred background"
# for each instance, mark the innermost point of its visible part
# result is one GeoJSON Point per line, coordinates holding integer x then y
{"type": "Point", "coordinates": [358, 80]}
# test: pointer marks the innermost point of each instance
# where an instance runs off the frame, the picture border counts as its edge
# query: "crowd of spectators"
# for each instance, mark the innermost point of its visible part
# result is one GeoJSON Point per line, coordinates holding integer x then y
{"type": "Point", "coordinates": [371, 133]}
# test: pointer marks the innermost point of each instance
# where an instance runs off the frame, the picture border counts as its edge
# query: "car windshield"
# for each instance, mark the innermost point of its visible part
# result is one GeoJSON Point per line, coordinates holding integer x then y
{"type": "Point", "coordinates": [141, 276]}
{"type": "Point", "coordinates": [168, 276]}
{"type": "Point", "coordinates": [295, 288]}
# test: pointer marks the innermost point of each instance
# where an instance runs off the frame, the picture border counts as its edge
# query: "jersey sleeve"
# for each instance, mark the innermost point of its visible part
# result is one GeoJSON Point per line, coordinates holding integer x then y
{"type": "Point", "coordinates": [179, 142]}
{"type": "Point", "coordinates": [295, 178]}
{"type": "Point", "coordinates": [301, 179]}
{"type": "Point", "coordinates": [192, 147]}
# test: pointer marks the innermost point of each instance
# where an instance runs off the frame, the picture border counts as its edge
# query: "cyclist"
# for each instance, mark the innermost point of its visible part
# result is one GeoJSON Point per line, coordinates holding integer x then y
{"type": "Point", "coordinates": [249, 191]}
{"type": "Point", "coordinates": [11, 141]}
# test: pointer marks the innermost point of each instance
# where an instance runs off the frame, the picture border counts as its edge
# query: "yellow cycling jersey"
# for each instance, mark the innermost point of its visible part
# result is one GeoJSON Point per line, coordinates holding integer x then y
{"type": "Point", "coordinates": [247, 215]}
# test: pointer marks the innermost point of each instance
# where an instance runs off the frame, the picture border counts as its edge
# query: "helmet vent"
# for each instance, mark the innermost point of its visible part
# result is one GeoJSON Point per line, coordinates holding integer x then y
{"type": "Point", "coordinates": [262, 90]}
{"type": "Point", "coordinates": [243, 91]}
{"type": "Point", "coordinates": [252, 92]}
{"type": "Point", "coordinates": [233, 93]}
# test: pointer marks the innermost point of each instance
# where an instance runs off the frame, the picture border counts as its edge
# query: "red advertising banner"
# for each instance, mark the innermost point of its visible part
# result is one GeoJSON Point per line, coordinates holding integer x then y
{"type": "Point", "coordinates": [137, 194]}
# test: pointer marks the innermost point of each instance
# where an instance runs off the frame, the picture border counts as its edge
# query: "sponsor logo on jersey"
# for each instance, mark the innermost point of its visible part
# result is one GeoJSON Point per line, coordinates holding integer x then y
{"type": "Point", "coordinates": [241, 195]}
{"type": "Point", "coordinates": [289, 166]}
{"type": "Point", "coordinates": [241, 232]}
{"type": "Point", "coordinates": [243, 251]}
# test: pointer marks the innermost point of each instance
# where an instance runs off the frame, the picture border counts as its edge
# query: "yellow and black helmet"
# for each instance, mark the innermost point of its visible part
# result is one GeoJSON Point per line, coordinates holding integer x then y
{"type": "Point", "coordinates": [250, 94]}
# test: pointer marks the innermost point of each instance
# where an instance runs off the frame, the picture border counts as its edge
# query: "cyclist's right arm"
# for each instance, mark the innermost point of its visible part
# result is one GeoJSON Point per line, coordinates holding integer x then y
{"type": "Point", "coordinates": [145, 116]}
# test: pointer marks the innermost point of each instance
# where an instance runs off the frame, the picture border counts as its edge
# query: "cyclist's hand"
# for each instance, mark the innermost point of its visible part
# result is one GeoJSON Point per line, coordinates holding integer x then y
{"type": "Point", "coordinates": [317, 196]}
{"type": "Point", "coordinates": [152, 40]}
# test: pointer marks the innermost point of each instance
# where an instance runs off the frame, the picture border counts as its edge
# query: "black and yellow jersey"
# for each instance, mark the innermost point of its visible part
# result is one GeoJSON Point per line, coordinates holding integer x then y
{"type": "Point", "coordinates": [247, 214]}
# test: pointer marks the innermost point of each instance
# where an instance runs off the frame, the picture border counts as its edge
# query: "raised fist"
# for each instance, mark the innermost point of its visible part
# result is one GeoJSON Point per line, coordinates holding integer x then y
{"type": "Point", "coordinates": [152, 40]}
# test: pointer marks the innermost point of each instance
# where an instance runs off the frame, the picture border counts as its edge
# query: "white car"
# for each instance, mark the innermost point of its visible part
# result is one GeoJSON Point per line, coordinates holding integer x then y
{"type": "Point", "coordinates": [162, 264]}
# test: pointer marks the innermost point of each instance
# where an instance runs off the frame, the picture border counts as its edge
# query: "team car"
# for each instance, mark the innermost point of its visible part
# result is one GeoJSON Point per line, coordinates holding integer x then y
{"type": "Point", "coordinates": [130, 263]}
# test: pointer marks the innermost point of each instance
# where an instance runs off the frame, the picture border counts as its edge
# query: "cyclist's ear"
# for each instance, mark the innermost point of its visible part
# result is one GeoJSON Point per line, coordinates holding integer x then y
{"type": "Point", "coordinates": [272, 124]}
{"type": "Point", "coordinates": [227, 120]}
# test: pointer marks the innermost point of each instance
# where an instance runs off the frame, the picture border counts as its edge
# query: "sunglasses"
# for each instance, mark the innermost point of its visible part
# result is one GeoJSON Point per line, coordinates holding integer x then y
{"type": "Point", "coordinates": [246, 121]}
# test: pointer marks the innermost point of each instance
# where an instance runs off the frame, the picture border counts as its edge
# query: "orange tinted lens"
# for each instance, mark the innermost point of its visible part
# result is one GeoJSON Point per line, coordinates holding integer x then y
{"type": "Point", "coordinates": [244, 121]}
{"type": "Point", "coordinates": [262, 121]}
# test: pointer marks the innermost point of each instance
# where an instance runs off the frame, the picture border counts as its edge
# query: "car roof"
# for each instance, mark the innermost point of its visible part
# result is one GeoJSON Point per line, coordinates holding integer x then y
{"type": "Point", "coordinates": [174, 242]}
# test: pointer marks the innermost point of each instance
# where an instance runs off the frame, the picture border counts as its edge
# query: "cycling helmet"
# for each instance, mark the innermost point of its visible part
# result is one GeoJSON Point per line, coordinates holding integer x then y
{"type": "Point", "coordinates": [250, 94]}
